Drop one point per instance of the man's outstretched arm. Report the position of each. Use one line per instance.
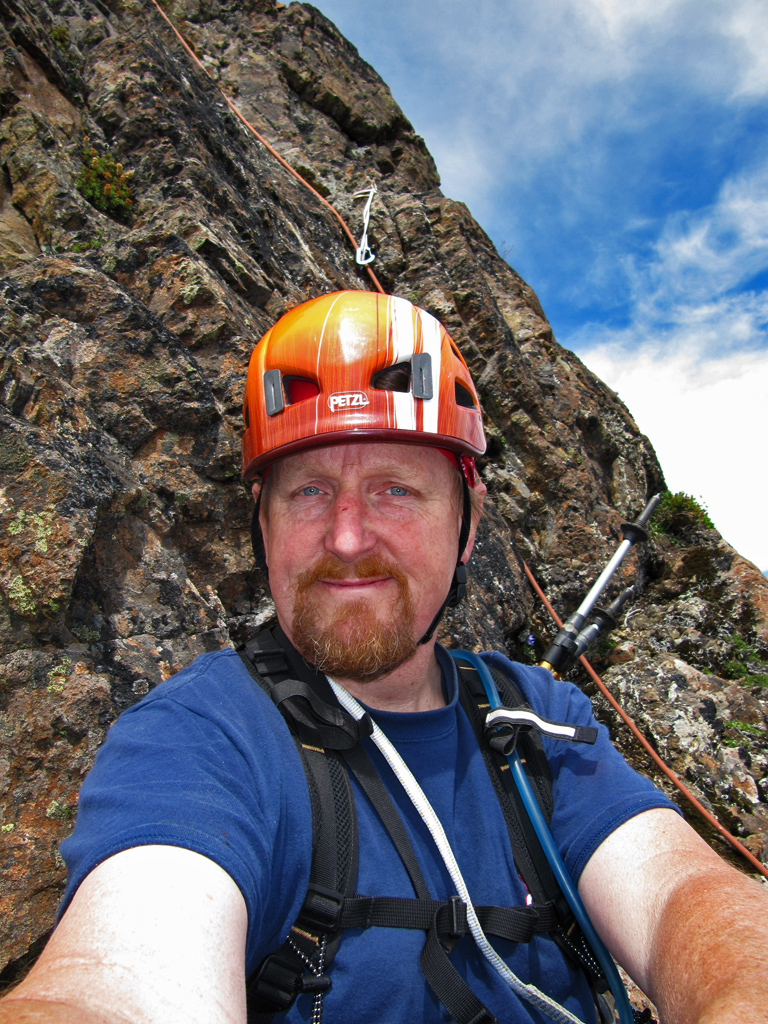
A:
(155, 934)
(689, 929)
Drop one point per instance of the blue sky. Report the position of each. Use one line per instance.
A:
(616, 151)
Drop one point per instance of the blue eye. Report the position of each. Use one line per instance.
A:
(311, 491)
(398, 492)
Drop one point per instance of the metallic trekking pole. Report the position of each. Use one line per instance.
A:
(573, 638)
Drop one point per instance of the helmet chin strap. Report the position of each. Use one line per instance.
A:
(459, 581)
(257, 541)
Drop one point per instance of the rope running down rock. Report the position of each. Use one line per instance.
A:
(263, 141)
(673, 778)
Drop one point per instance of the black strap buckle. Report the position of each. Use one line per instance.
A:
(330, 727)
(280, 979)
(276, 984)
(321, 909)
(450, 923)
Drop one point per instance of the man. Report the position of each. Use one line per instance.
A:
(192, 851)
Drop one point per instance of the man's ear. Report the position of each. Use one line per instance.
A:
(256, 489)
(476, 504)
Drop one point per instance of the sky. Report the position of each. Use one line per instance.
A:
(616, 151)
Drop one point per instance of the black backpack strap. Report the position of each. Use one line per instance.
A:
(444, 921)
(529, 856)
(368, 779)
(302, 962)
(302, 695)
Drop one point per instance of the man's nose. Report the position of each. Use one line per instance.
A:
(349, 535)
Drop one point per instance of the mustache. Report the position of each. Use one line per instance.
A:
(330, 568)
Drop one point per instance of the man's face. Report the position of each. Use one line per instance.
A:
(361, 543)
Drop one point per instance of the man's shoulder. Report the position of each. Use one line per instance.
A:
(209, 679)
(206, 670)
(214, 692)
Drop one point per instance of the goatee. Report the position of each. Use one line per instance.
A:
(354, 644)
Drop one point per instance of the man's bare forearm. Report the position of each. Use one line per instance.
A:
(691, 930)
(710, 961)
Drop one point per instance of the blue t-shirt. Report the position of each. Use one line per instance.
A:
(206, 762)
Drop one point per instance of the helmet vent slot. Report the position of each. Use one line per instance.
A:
(299, 389)
(464, 396)
(393, 378)
(273, 392)
(415, 375)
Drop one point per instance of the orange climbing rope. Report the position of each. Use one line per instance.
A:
(673, 778)
(264, 142)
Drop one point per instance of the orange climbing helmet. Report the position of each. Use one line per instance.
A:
(357, 366)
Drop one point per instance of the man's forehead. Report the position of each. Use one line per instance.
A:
(348, 459)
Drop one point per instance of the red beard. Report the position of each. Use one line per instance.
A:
(354, 644)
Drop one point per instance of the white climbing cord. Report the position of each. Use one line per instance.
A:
(544, 1003)
(364, 256)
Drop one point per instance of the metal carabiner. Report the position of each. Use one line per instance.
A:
(363, 255)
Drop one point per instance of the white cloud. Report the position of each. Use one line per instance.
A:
(687, 296)
(534, 80)
(708, 424)
(746, 23)
(530, 110)
(722, 246)
(692, 364)
(621, 15)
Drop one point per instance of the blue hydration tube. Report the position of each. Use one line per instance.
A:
(626, 1016)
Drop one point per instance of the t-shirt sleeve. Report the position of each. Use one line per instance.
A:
(205, 763)
(594, 789)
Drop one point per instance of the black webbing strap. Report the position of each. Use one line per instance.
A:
(368, 779)
(529, 855)
(301, 963)
(449, 986)
(445, 922)
(448, 917)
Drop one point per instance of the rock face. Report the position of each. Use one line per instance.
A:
(125, 331)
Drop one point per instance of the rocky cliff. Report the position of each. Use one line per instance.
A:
(147, 241)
